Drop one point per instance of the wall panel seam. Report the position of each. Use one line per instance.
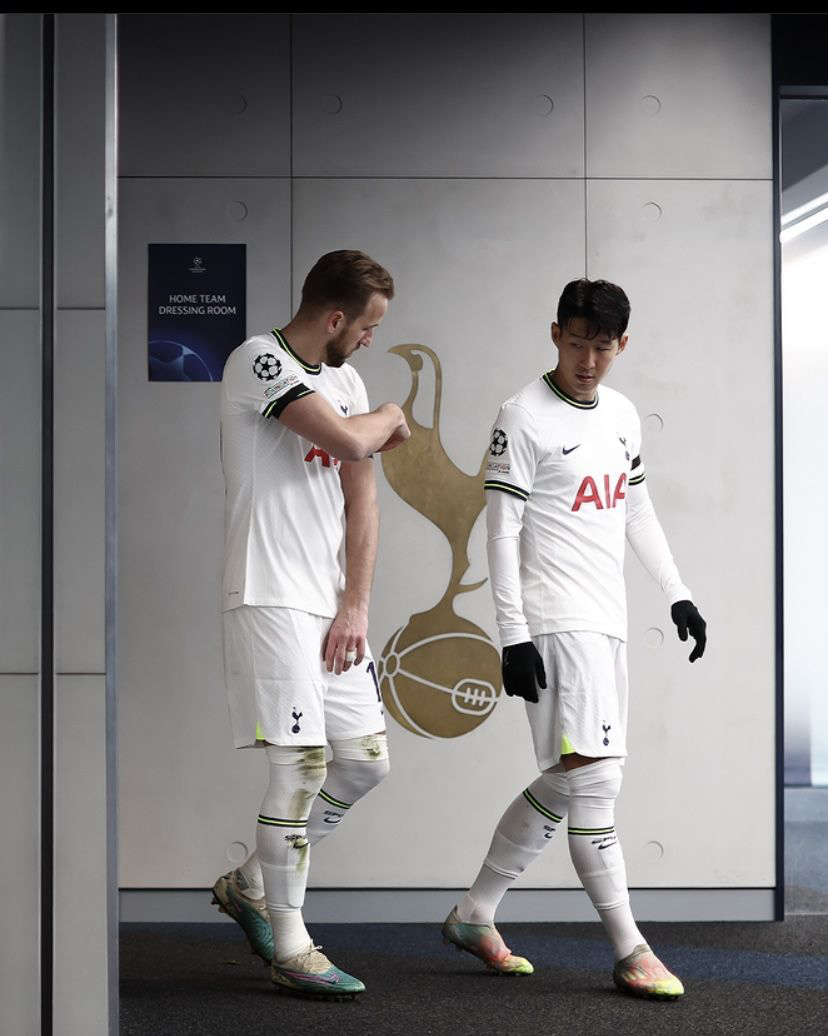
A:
(447, 176)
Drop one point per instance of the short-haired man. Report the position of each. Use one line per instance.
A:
(297, 441)
(564, 488)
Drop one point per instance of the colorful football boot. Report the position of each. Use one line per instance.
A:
(643, 974)
(311, 974)
(486, 943)
(251, 914)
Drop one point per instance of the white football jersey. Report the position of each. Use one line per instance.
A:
(573, 476)
(284, 507)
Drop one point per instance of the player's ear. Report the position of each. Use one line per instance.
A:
(556, 332)
(622, 343)
(336, 321)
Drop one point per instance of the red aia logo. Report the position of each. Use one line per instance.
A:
(324, 456)
(588, 493)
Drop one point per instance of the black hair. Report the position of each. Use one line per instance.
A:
(603, 305)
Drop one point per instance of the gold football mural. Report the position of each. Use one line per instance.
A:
(439, 674)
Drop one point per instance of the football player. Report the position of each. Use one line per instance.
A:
(565, 489)
(297, 439)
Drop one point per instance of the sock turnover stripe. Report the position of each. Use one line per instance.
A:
(530, 798)
(334, 802)
(592, 830)
(281, 822)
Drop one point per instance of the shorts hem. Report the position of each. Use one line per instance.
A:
(546, 763)
(358, 732)
(297, 743)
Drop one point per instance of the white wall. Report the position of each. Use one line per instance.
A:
(651, 167)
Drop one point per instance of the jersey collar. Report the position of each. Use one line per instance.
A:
(567, 398)
(311, 368)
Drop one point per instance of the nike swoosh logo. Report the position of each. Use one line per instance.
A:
(564, 450)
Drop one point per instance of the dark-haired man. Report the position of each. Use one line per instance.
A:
(564, 488)
(297, 441)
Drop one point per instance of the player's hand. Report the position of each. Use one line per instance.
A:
(400, 434)
(687, 619)
(346, 636)
(523, 671)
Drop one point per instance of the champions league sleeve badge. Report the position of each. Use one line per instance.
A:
(267, 367)
(500, 443)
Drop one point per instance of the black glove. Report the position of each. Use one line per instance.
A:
(686, 617)
(522, 666)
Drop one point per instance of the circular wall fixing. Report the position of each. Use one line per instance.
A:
(237, 211)
(653, 851)
(542, 104)
(237, 853)
(652, 212)
(239, 105)
(653, 423)
(650, 106)
(653, 637)
(331, 104)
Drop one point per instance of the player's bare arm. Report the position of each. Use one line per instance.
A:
(347, 438)
(350, 625)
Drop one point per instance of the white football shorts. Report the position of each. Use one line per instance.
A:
(278, 688)
(584, 706)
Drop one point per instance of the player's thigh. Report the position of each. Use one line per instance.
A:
(353, 702)
(592, 692)
(273, 658)
(582, 710)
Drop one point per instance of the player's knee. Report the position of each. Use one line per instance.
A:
(360, 764)
(556, 782)
(303, 767)
(599, 780)
(371, 748)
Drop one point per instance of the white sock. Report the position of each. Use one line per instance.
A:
(596, 852)
(524, 831)
(357, 766)
(296, 775)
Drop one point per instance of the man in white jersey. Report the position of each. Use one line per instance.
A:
(564, 489)
(297, 440)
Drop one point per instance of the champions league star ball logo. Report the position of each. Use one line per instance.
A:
(173, 361)
(267, 367)
(439, 674)
(499, 443)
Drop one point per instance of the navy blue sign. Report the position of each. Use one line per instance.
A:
(197, 310)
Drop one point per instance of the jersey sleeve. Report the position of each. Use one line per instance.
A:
(504, 519)
(510, 475)
(261, 376)
(637, 474)
(645, 534)
(513, 455)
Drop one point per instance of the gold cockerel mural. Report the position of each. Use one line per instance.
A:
(439, 674)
